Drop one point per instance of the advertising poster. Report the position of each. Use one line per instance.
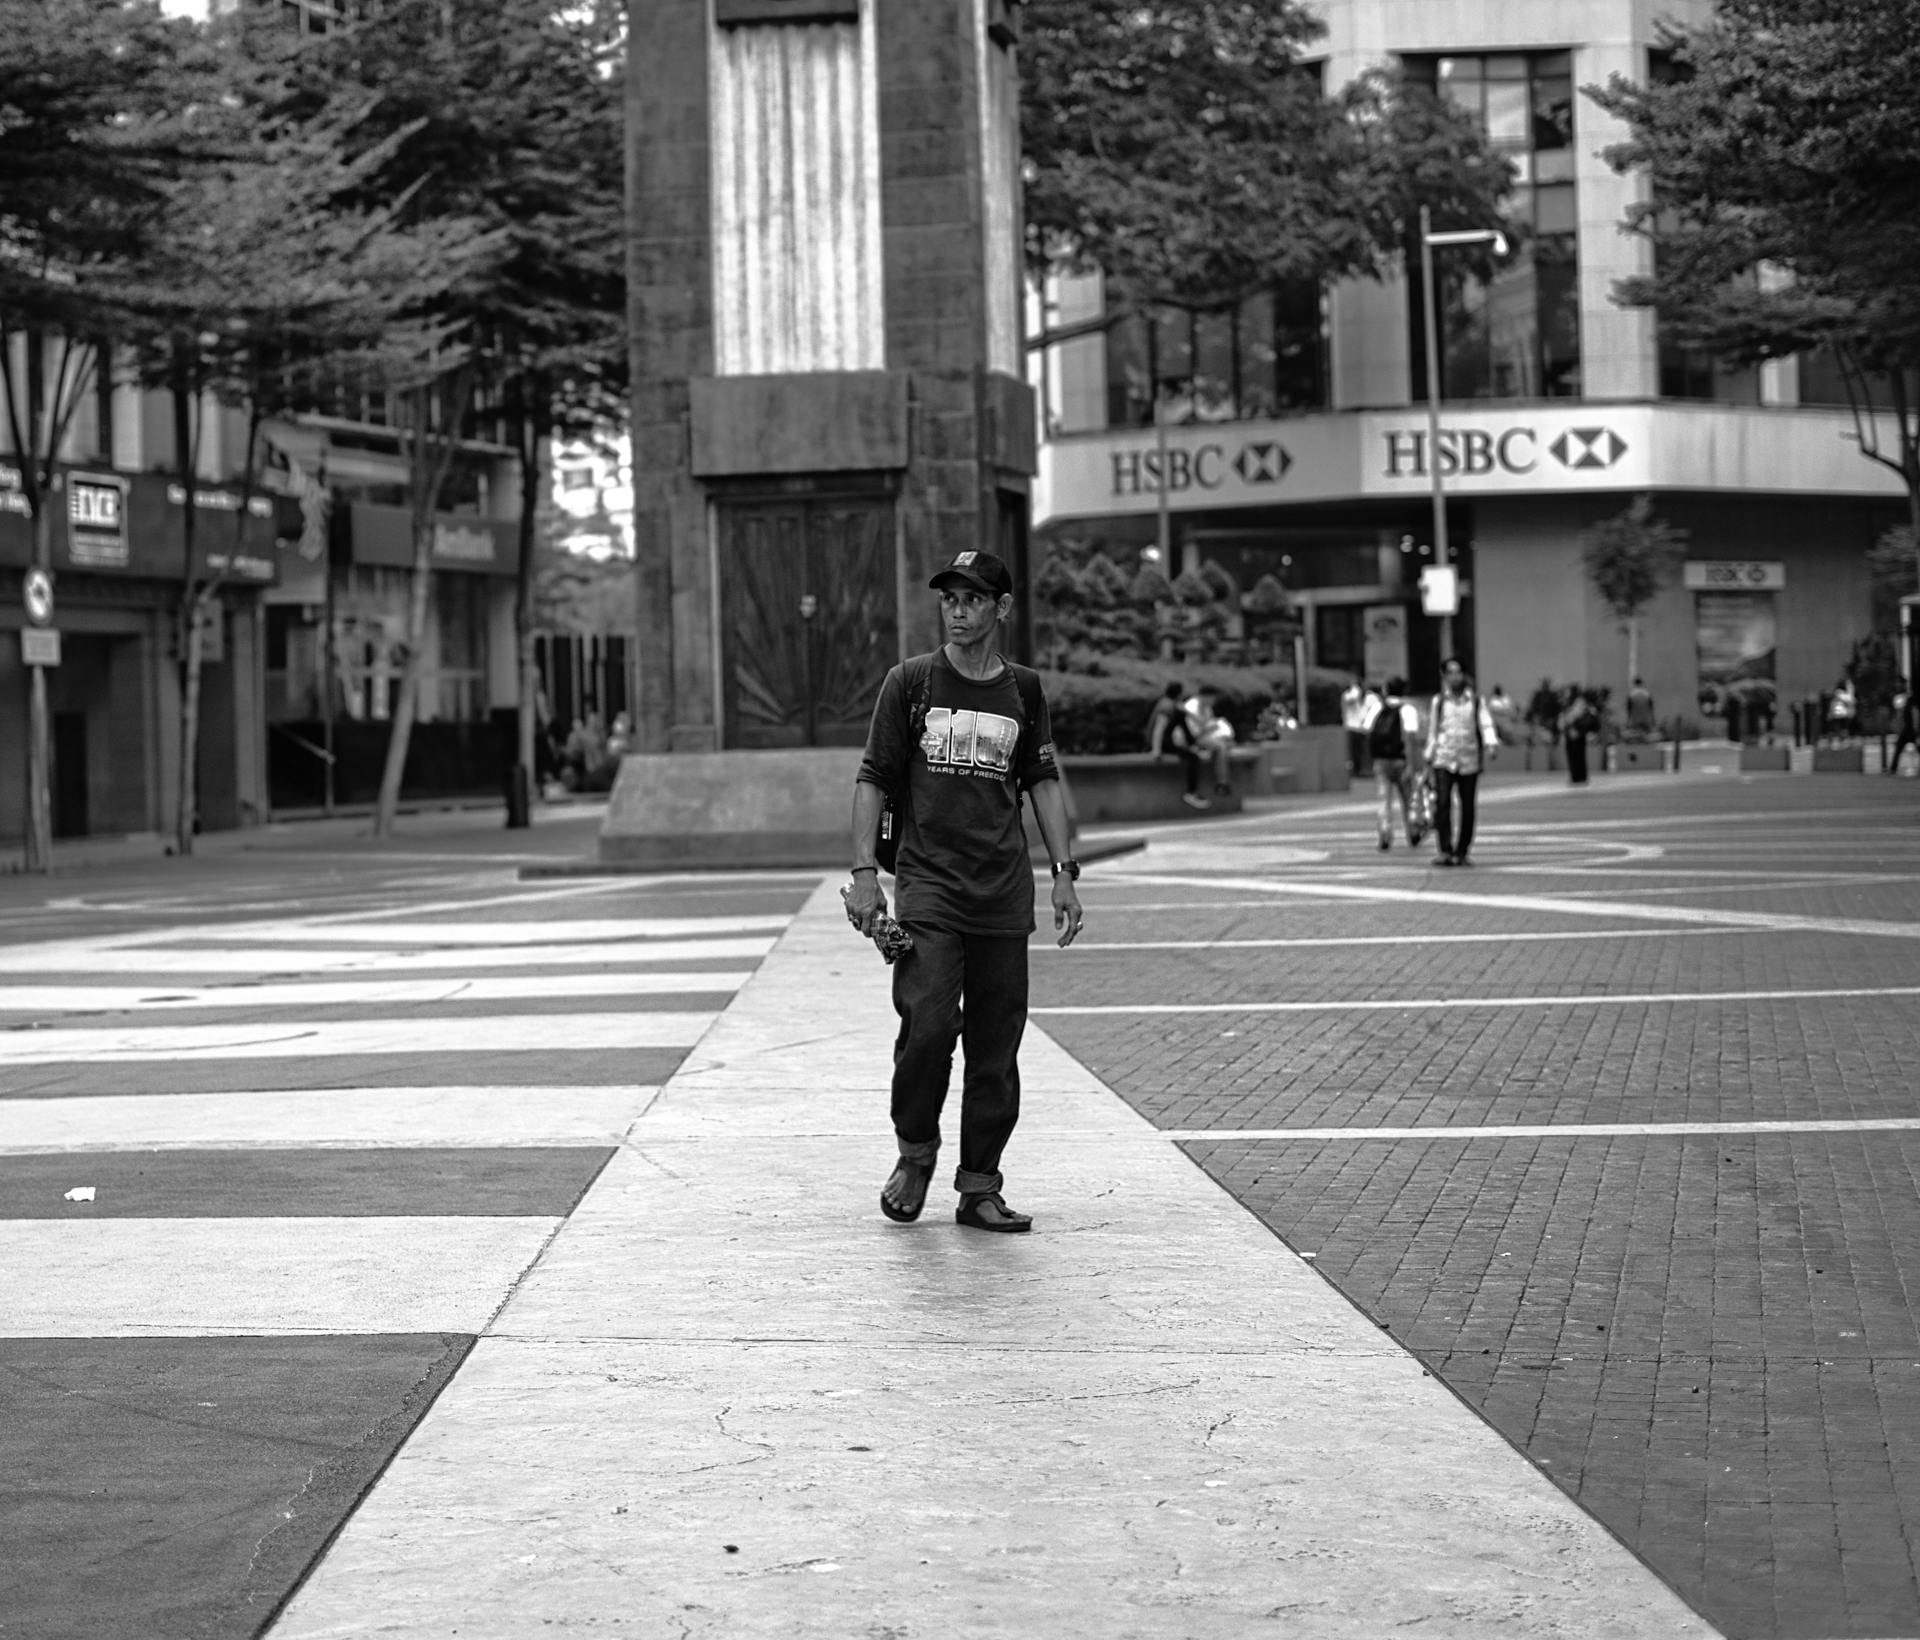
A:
(1734, 636)
(1385, 642)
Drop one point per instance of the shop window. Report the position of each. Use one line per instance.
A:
(1339, 637)
(1516, 335)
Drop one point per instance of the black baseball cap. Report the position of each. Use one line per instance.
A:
(981, 571)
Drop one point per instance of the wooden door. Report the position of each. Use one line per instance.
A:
(808, 620)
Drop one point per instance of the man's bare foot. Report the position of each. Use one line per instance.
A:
(905, 1192)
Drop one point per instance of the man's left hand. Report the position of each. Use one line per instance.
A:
(1067, 915)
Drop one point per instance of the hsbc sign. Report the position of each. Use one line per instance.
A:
(1252, 463)
(1515, 450)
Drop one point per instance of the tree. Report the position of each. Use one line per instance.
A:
(1187, 149)
(85, 148)
(260, 278)
(511, 115)
(1783, 201)
(1628, 559)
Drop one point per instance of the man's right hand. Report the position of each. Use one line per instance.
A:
(866, 901)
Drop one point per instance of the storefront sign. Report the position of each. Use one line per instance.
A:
(1516, 450)
(384, 535)
(462, 544)
(13, 493)
(40, 645)
(97, 521)
(1254, 462)
(1734, 575)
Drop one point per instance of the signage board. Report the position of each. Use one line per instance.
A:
(97, 520)
(36, 596)
(732, 13)
(1440, 590)
(1734, 575)
(40, 645)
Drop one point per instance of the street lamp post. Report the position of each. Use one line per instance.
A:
(1428, 307)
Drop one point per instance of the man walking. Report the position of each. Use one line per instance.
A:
(956, 737)
(1460, 742)
(1391, 738)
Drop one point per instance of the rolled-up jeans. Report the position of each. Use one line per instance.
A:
(969, 989)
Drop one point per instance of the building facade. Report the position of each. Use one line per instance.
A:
(1296, 440)
(119, 568)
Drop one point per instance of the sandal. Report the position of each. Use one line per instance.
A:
(990, 1212)
(907, 1188)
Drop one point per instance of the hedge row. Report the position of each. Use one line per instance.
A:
(1101, 703)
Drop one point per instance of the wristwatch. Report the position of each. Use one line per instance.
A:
(1070, 867)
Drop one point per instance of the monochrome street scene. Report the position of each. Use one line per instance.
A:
(911, 818)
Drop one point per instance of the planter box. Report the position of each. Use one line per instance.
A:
(1639, 757)
(1838, 760)
(1765, 759)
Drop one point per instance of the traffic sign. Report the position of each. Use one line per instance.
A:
(40, 645)
(36, 592)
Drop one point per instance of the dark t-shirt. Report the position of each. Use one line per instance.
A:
(963, 857)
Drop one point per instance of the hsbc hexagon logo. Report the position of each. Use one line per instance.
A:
(1588, 449)
(1262, 462)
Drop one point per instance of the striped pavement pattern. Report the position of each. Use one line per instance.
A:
(261, 1186)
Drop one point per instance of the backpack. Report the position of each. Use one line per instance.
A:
(1387, 735)
(916, 673)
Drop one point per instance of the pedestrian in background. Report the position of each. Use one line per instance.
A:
(1579, 720)
(1212, 739)
(1906, 726)
(956, 737)
(1640, 711)
(1392, 742)
(1843, 711)
(1460, 744)
(1170, 734)
(1355, 711)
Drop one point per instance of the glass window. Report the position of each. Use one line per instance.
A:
(1300, 348)
(1552, 113)
(1516, 335)
(1129, 384)
(1213, 355)
(1173, 362)
(1254, 356)
(1553, 210)
(1509, 119)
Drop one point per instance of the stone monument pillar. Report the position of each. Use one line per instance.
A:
(829, 397)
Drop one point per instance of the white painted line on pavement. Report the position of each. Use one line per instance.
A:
(502, 932)
(1376, 1004)
(324, 1118)
(373, 993)
(153, 959)
(1386, 939)
(1561, 1130)
(1783, 923)
(294, 1039)
(128, 1278)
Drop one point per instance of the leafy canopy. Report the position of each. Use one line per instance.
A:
(1783, 157)
(1190, 150)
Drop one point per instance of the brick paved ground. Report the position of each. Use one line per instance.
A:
(1708, 1339)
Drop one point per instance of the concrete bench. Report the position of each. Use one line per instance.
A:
(1140, 786)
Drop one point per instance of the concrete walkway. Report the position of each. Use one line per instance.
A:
(730, 1399)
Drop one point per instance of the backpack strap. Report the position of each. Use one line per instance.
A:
(1027, 681)
(916, 677)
